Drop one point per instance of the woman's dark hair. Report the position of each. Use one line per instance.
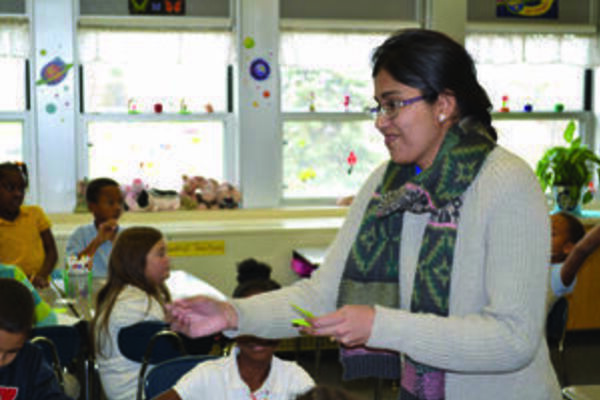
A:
(434, 63)
(19, 167)
(126, 266)
(16, 307)
(253, 277)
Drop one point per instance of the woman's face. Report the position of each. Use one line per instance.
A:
(157, 264)
(416, 132)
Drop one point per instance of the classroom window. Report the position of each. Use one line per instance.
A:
(126, 69)
(537, 69)
(330, 142)
(328, 158)
(159, 153)
(530, 139)
(11, 137)
(14, 49)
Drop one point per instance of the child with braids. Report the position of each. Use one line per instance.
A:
(25, 236)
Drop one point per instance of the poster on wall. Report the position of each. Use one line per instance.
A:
(546, 9)
(156, 7)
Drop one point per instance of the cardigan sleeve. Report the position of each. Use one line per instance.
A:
(268, 315)
(505, 331)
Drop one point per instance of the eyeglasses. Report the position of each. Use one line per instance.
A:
(390, 109)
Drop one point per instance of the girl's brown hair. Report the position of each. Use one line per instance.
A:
(126, 267)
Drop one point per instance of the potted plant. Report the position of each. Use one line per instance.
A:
(568, 171)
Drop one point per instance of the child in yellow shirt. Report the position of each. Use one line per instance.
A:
(25, 236)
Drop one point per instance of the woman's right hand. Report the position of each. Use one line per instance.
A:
(201, 316)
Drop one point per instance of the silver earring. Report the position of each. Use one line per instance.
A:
(442, 117)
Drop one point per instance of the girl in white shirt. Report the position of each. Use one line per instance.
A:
(250, 372)
(135, 291)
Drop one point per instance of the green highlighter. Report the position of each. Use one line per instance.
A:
(305, 314)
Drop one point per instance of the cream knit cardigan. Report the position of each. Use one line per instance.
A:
(492, 344)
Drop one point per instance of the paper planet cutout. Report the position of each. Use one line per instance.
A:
(249, 42)
(266, 94)
(255, 104)
(260, 69)
(54, 72)
(50, 108)
(43, 52)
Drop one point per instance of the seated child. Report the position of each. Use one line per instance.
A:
(135, 291)
(24, 374)
(95, 240)
(250, 371)
(44, 315)
(567, 231)
(25, 236)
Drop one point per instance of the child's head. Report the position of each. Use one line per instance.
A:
(13, 182)
(104, 199)
(16, 318)
(254, 278)
(567, 230)
(139, 258)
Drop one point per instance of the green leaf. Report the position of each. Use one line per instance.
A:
(587, 197)
(569, 131)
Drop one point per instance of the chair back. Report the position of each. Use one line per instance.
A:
(65, 338)
(166, 374)
(556, 322)
(149, 342)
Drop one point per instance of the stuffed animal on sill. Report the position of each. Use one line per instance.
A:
(228, 197)
(162, 200)
(199, 193)
(135, 196)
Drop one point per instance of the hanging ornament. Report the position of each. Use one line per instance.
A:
(351, 161)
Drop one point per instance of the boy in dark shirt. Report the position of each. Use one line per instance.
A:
(24, 374)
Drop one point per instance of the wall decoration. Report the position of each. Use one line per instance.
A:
(51, 108)
(307, 174)
(54, 72)
(351, 161)
(43, 52)
(504, 107)
(157, 7)
(260, 69)
(249, 42)
(266, 94)
(547, 9)
(255, 104)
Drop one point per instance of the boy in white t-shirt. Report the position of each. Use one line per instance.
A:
(251, 371)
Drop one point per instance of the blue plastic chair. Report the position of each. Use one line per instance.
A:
(166, 374)
(61, 346)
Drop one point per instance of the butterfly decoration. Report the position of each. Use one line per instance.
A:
(156, 6)
(351, 161)
(138, 6)
(174, 6)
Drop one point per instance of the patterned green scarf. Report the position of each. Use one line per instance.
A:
(371, 272)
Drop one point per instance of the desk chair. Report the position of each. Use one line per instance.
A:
(61, 346)
(556, 324)
(149, 342)
(166, 374)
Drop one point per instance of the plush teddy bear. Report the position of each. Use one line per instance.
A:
(228, 197)
(135, 196)
(189, 193)
(162, 200)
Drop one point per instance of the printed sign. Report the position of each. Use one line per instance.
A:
(183, 248)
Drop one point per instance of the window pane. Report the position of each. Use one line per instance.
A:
(157, 152)
(321, 69)
(145, 68)
(12, 82)
(530, 139)
(11, 137)
(541, 70)
(316, 157)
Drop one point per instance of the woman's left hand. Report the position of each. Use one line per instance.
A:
(350, 325)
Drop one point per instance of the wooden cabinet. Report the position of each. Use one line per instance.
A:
(584, 302)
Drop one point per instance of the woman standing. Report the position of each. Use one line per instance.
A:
(438, 275)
